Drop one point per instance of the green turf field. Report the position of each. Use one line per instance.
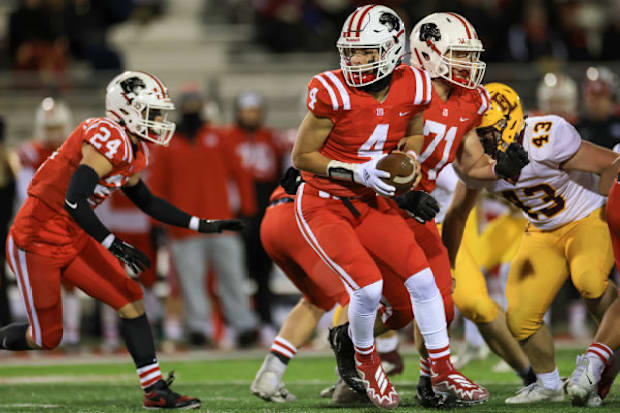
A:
(223, 386)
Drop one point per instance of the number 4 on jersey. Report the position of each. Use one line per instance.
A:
(374, 144)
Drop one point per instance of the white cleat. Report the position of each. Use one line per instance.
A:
(268, 384)
(582, 385)
(536, 393)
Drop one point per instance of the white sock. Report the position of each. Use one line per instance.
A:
(550, 380)
(363, 306)
(387, 344)
(599, 355)
(428, 309)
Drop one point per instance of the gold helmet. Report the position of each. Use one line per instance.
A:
(502, 123)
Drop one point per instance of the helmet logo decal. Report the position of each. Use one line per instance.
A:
(390, 21)
(430, 31)
(132, 85)
(503, 103)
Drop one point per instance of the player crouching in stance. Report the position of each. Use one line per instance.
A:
(56, 233)
(560, 196)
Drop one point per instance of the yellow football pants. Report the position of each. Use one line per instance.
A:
(497, 244)
(543, 263)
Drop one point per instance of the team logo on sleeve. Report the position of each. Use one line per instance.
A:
(390, 21)
(430, 31)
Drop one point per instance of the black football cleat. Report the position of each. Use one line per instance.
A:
(161, 397)
(342, 345)
(426, 397)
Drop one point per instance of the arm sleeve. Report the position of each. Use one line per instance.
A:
(81, 187)
(156, 207)
(564, 141)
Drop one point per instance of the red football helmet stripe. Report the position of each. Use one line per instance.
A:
(348, 33)
(462, 20)
(361, 19)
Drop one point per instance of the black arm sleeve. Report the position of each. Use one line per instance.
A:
(156, 207)
(81, 187)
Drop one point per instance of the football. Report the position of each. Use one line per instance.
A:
(403, 168)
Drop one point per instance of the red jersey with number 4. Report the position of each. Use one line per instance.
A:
(363, 126)
(43, 219)
(445, 124)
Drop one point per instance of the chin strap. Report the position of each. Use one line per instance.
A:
(377, 86)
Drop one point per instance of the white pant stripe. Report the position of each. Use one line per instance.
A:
(311, 239)
(35, 318)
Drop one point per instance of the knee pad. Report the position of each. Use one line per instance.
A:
(479, 309)
(366, 299)
(51, 338)
(520, 327)
(422, 286)
(590, 285)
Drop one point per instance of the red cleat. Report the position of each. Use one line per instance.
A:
(161, 397)
(447, 381)
(378, 387)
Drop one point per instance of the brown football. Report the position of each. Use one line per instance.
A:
(403, 168)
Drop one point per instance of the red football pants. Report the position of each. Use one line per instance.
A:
(353, 245)
(93, 270)
(286, 247)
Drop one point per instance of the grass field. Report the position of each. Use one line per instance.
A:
(109, 385)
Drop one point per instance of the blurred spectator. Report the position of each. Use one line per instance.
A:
(574, 35)
(280, 24)
(7, 194)
(600, 123)
(261, 159)
(194, 171)
(88, 22)
(557, 94)
(36, 41)
(533, 37)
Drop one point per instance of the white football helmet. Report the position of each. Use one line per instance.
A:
(433, 41)
(140, 102)
(52, 121)
(371, 27)
(557, 93)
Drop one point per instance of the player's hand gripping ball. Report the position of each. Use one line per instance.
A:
(404, 170)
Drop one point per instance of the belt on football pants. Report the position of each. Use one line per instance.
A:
(284, 200)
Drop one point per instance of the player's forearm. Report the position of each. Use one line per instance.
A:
(81, 187)
(157, 208)
(608, 177)
(313, 162)
(482, 170)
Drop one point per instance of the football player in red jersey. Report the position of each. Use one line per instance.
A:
(352, 122)
(446, 45)
(57, 234)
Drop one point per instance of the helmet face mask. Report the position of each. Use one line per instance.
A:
(438, 42)
(491, 137)
(376, 28)
(140, 102)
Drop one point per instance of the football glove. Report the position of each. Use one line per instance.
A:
(510, 163)
(419, 205)
(368, 175)
(291, 180)
(135, 259)
(209, 226)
